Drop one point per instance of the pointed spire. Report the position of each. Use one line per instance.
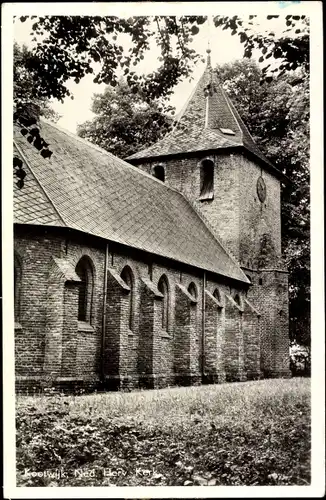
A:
(209, 87)
(208, 121)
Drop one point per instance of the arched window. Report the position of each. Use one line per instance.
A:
(192, 289)
(163, 287)
(128, 278)
(217, 295)
(237, 299)
(159, 172)
(84, 271)
(206, 179)
(17, 286)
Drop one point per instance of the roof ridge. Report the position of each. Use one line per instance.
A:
(184, 107)
(226, 98)
(38, 182)
(239, 119)
(235, 112)
(254, 144)
(111, 155)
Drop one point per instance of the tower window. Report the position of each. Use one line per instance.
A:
(85, 297)
(163, 287)
(159, 172)
(207, 180)
(128, 278)
(260, 281)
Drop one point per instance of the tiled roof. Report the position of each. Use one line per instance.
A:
(86, 188)
(199, 125)
(31, 204)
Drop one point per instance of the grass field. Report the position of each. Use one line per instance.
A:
(254, 433)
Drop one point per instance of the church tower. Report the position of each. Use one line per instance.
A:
(211, 158)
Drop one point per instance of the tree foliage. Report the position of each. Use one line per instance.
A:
(277, 114)
(28, 107)
(74, 46)
(25, 84)
(124, 122)
(71, 47)
(291, 49)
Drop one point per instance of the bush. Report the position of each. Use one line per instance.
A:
(300, 360)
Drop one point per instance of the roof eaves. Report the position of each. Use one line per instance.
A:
(185, 153)
(244, 147)
(200, 268)
(268, 165)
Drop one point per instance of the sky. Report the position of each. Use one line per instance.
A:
(224, 48)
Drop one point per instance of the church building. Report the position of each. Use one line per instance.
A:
(165, 269)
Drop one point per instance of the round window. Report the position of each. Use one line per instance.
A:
(261, 189)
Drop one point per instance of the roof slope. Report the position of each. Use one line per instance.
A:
(198, 128)
(86, 188)
(31, 204)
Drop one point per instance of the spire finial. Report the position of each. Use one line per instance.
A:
(208, 50)
(208, 56)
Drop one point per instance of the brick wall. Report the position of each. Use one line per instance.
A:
(260, 223)
(214, 339)
(53, 347)
(235, 213)
(234, 342)
(50, 344)
(251, 231)
(223, 211)
(269, 295)
(251, 340)
(111, 358)
(35, 258)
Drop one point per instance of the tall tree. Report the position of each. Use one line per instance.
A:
(125, 122)
(290, 49)
(29, 105)
(25, 84)
(277, 114)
